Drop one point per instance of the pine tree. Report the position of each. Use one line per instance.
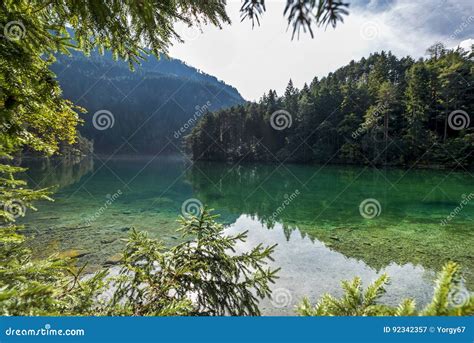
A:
(450, 298)
(396, 110)
(290, 98)
(199, 277)
(418, 102)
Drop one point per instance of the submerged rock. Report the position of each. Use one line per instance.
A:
(108, 241)
(73, 253)
(113, 260)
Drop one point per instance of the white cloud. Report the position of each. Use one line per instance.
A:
(466, 44)
(256, 60)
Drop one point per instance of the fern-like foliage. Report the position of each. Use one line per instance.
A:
(355, 302)
(202, 276)
(300, 14)
(450, 298)
(51, 286)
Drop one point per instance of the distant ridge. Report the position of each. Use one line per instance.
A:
(149, 105)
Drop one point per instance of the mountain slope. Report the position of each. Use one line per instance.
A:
(380, 110)
(151, 108)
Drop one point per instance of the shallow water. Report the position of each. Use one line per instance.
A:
(312, 212)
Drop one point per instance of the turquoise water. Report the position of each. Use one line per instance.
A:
(316, 214)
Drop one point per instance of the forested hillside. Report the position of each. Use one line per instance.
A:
(147, 106)
(380, 110)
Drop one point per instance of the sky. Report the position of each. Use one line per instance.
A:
(256, 60)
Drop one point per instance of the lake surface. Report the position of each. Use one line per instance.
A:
(315, 213)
